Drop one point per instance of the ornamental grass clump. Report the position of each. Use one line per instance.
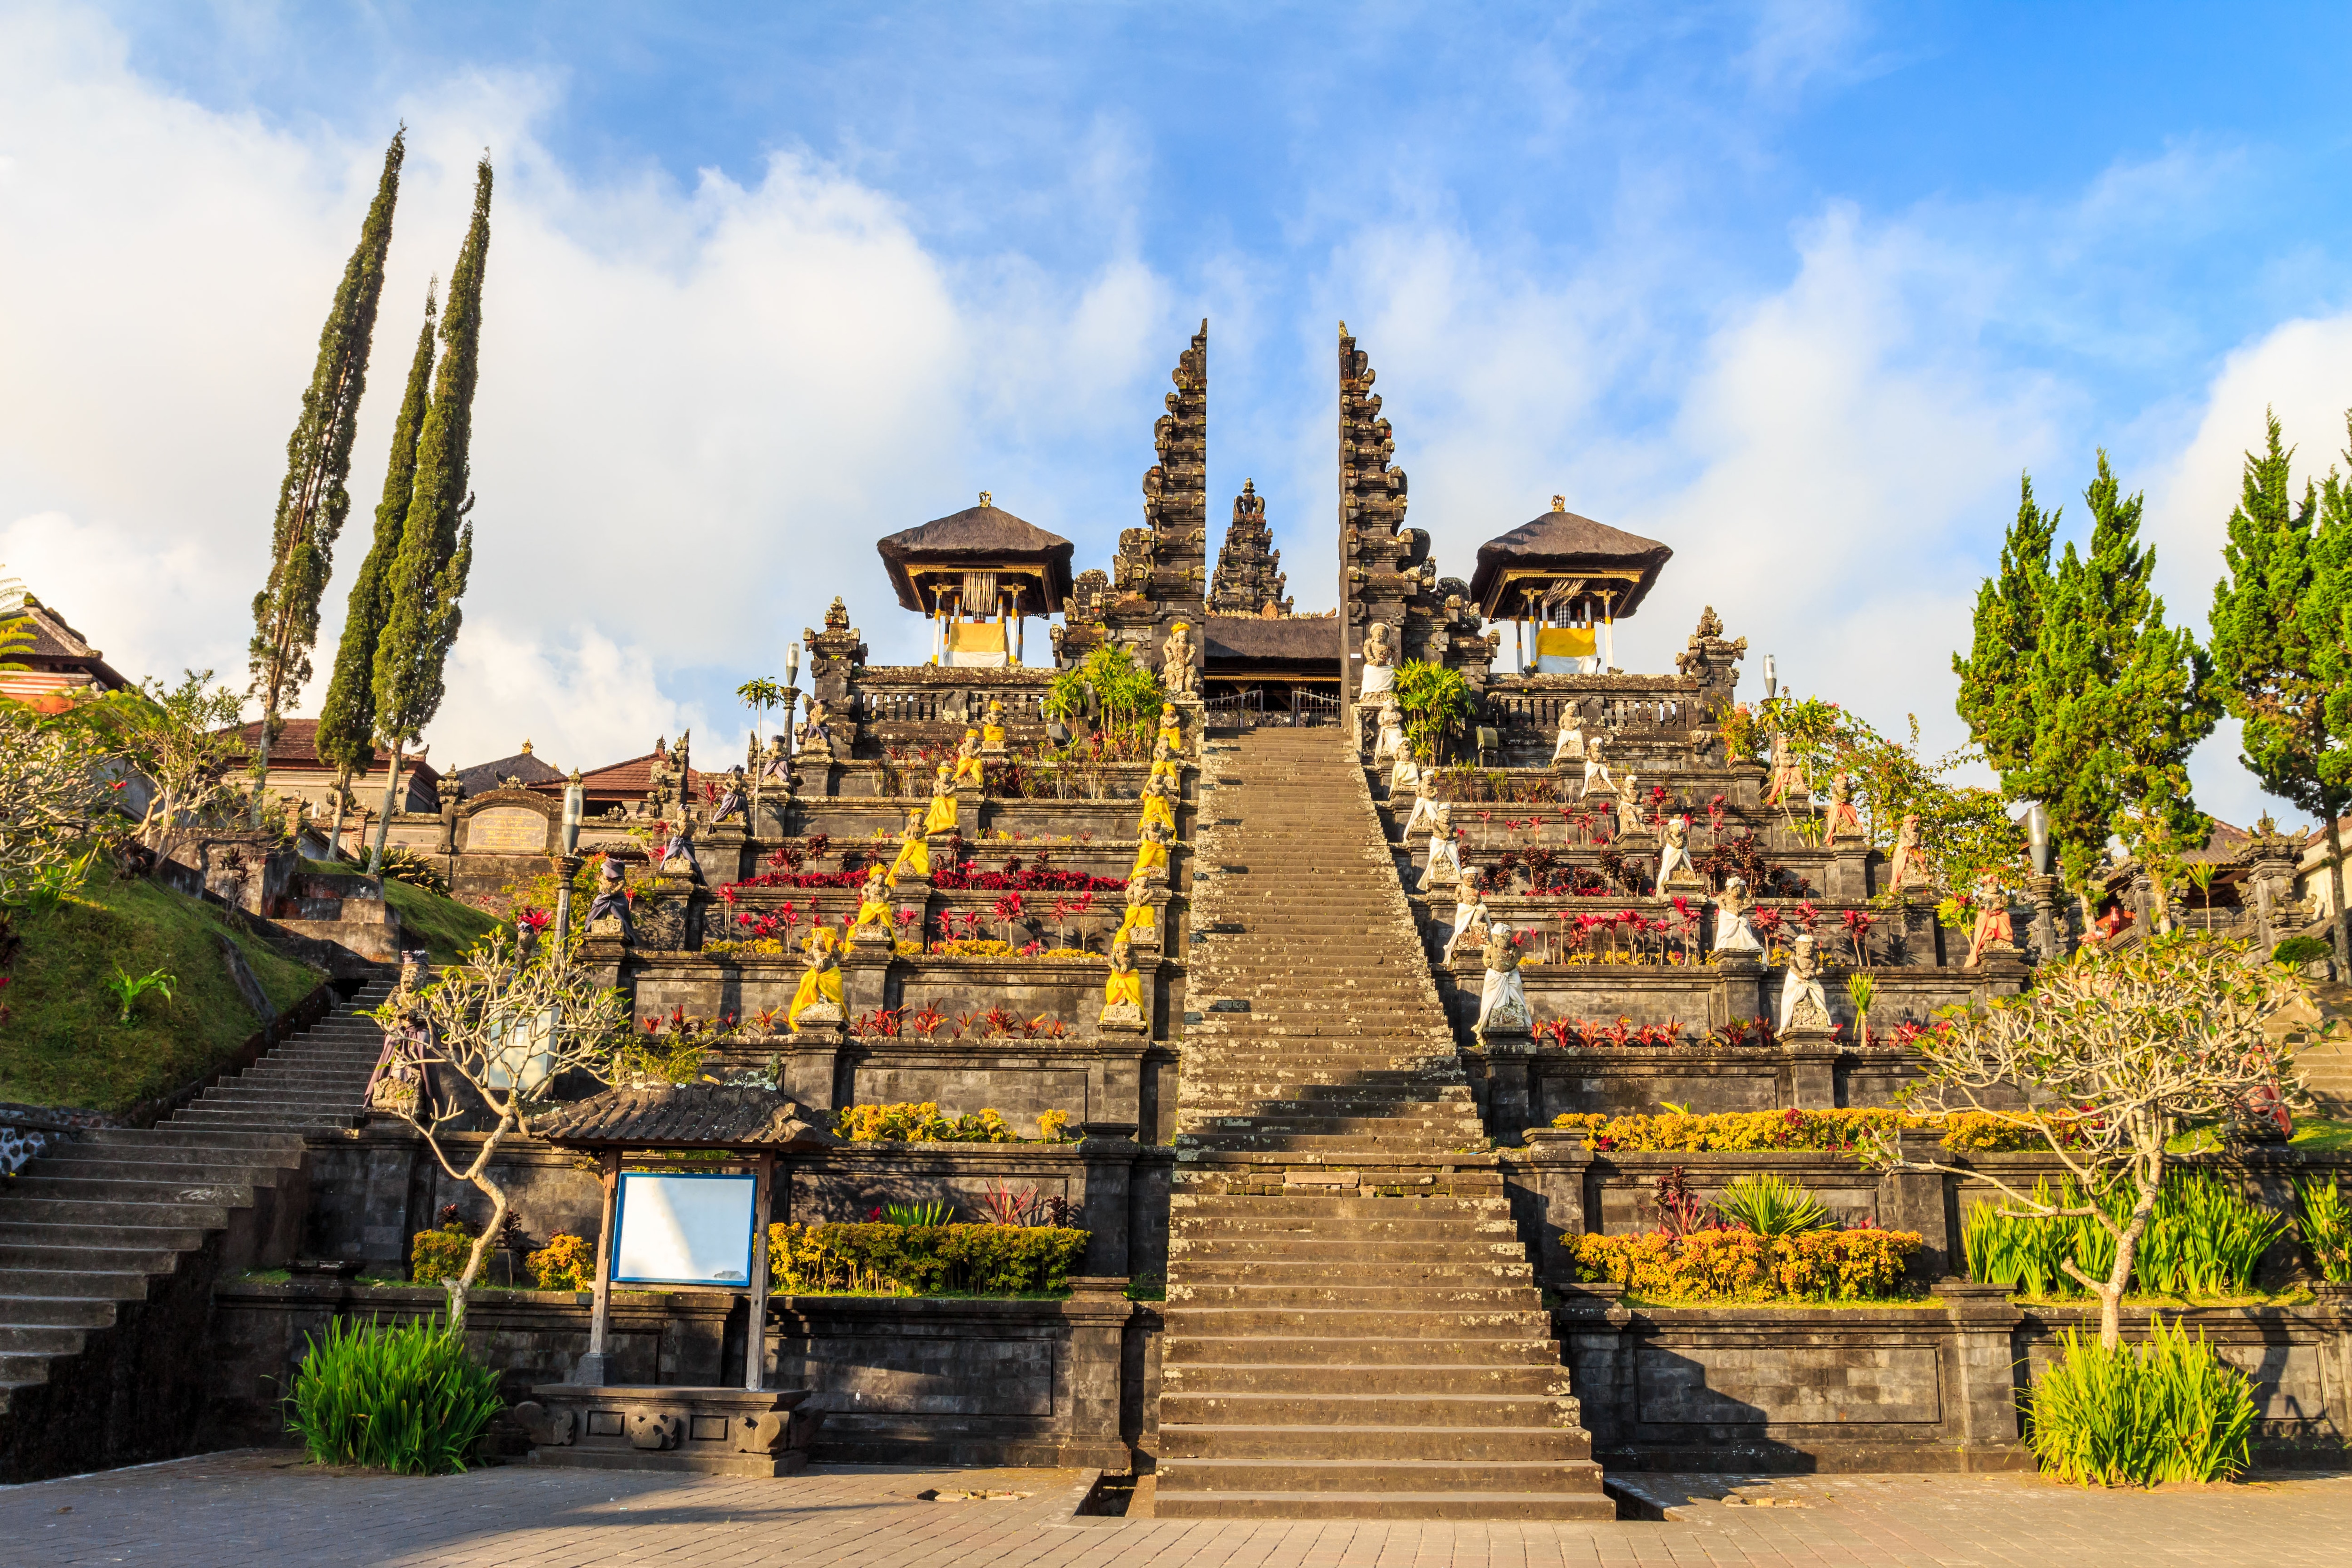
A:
(2326, 1228)
(2202, 1239)
(2165, 1410)
(1771, 1206)
(406, 1398)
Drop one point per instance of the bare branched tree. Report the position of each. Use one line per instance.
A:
(54, 796)
(2114, 1054)
(478, 1051)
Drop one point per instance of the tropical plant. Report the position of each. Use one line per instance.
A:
(1109, 679)
(2139, 1043)
(402, 864)
(2201, 1238)
(126, 988)
(2326, 1228)
(54, 797)
(1437, 704)
(937, 1211)
(1770, 1205)
(1862, 990)
(567, 1262)
(311, 501)
(406, 1398)
(2167, 1409)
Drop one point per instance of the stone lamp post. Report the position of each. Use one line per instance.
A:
(2041, 885)
(567, 858)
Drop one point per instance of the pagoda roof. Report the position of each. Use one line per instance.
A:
(1297, 638)
(1563, 545)
(686, 1116)
(979, 538)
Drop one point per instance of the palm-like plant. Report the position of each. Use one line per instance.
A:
(1437, 705)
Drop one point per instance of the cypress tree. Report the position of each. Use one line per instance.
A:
(1996, 680)
(2278, 653)
(436, 542)
(347, 717)
(2122, 699)
(313, 500)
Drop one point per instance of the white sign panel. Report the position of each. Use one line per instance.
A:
(684, 1230)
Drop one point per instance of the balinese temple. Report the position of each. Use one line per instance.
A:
(1563, 582)
(1259, 654)
(979, 575)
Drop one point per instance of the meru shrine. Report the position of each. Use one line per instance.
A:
(1296, 964)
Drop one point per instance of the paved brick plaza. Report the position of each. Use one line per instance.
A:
(256, 1509)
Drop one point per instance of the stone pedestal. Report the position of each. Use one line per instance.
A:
(700, 1431)
(1916, 1200)
(1510, 1082)
(1108, 1149)
(2047, 946)
(1983, 1377)
(815, 1058)
(1743, 985)
(866, 973)
(1813, 1055)
(1559, 1162)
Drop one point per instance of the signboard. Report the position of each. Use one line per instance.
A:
(684, 1229)
(527, 1058)
(507, 830)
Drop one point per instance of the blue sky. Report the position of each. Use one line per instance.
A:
(1799, 288)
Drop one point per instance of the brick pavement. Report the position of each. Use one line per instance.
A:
(261, 1509)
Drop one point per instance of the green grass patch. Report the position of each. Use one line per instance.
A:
(2313, 1135)
(443, 927)
(63, 1044)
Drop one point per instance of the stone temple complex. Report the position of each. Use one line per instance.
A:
(1282, 1011)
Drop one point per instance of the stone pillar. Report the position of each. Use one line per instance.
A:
(1810, 1082)
(1114, 1087)
(1558, 1160)
(1108, 1149)
(1982, 1372)
(1848, 872)
(814, 1060)
(1920, 1201)
(865, 975)
(1740, 978)
(1510, 1083)
(2047, 946)
(1097, 1314)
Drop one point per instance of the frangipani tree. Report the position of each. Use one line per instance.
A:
(54, 793)
(484, 1043)
(2114, 1053)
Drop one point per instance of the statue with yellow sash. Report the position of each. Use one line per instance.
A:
(1123, 990)
(873, 907)
(967, 763)
(819, 996)
(914, 851)
(941, 817)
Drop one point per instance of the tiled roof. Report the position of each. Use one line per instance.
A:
(687, 1116)
(297, 747)
(483, 777)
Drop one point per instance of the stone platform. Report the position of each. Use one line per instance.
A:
(652, 1426)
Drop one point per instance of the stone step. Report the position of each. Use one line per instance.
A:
(1286, 1210)
(1388, 1504)
(1403, 1298)
(41, 1340)
(167, 1137)
(1406, 1273)
(61, 1256)
(92, 1166)
(1417, 1440)
(81, 1284)
(1406, 1475)
(56, 1211)
(1344, 1322)
(1211, 1252)
(134, 1237)
(55, 1312)
(1285, 1386)
(74, 1191)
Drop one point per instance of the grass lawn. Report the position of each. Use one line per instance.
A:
(443, 927)
(2313, 1135)
(62, 1044)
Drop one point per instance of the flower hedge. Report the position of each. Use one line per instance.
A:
(920, 1122)
(924, 1259)
(1739, 1265)
(1826, 1131)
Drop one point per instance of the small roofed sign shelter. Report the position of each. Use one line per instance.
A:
(1567, 580)
(979, 574)
(699, 1229)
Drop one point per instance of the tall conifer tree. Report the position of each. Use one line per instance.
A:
(313, 500)
(436, 542)
(2278, 651)
(1996, 680)
(347, 717)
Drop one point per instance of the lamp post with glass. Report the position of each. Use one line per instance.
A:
(2041, 885)
(567, 860)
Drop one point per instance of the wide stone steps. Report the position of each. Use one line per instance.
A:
(1330, 1356)
(107, 1218)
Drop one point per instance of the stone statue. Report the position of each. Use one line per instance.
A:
(1176, 671)
(967, 760)
(1172, 729)
(1140, 923)
(1404, 772)
(873, 907)
(731, 798)
(1503, 1000)
(659, 772)
(1674, 851)
(1629, 809)
(1596, 766)
(942, 816)
(679, 846)
(1470, 917)
(1906, 852)
(1425, 807)
(1443, 867)
(1123, 989)
(1164, 764)
(1390, 740)
(914, 851)
(1160, 796)
(1842, 814)
(991, 726)
(612, 901)
(1379, 659)
(815, 736)
(1733, 931)
(1993, 923)
(1787, 775)
(1151, 853)
(1803, 1004)
(818, 998)
(775, 763)
(1569, 747)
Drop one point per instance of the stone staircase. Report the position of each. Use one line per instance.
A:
(1353, 1328)
(109, 1245)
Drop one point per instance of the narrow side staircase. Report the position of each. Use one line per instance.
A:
(1353, 1327)
(109, 1245)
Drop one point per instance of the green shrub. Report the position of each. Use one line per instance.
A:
(408, 865)
(438, 1255)
(1863, 1264)
(924, 1260)
(566, 1263)
(2298, 951)
(2167, 1410)
(1770, 1206)
(2203, 1239)
(2326, 1228)
(407, 1399)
